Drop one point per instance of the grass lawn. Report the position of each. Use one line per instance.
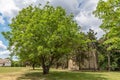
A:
(10, 69)
(29, 74)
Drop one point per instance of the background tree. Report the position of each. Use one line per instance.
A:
(45, 34)
(108, 59)
(79, 53)
(109, 12)
(86, 51)
(104, 55)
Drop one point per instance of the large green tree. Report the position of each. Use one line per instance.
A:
(44, 34)
(109, 12)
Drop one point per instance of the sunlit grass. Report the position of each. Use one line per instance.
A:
(10, 69)
(69, 75)
(29, 74)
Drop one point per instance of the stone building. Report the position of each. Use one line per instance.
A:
(5, 62)
(89, 63)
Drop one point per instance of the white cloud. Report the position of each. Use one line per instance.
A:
(3, 50)
(2, 46)
(2, 20)
(71, 6)
(82, 9)
(8, 8)
(4, 56)
(86, 19)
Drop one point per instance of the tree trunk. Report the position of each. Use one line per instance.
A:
(46, 67)
(57, 65)
(46, 70)
(33, 66)
(109, 67)
(67, 62)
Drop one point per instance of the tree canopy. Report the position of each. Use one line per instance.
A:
(43, 34)
(109, 12)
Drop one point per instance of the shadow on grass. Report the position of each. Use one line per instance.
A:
(56, 75)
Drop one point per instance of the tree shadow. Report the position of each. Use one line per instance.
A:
(56, 75)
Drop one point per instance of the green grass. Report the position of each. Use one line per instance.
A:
(68, 75)
(29, 74)
(10, 69)
(62, 76)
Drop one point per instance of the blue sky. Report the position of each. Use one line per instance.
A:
(82, 10)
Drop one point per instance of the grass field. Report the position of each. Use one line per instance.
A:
(8, 73)
(10, 69)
